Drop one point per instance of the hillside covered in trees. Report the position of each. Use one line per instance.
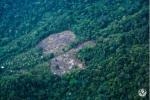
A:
(115, 69)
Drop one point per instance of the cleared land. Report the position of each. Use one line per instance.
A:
(63, 62)
(57, 43)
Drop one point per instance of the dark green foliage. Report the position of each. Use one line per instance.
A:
(116, 68)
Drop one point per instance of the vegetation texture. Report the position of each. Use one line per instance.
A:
(116, 68)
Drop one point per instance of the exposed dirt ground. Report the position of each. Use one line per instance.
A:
(57, 43)
(63, 62)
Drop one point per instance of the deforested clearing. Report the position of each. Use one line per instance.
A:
(57, 43)
(64, 60)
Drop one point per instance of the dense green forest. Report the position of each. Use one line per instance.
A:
(116, 68)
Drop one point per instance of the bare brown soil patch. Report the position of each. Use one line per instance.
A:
(63, 62)
(57, 43)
